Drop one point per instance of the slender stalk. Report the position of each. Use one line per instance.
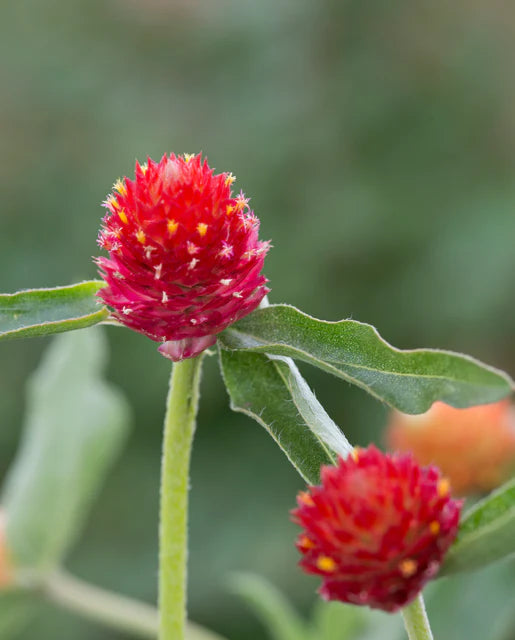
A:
(173, 529)
(416, 621)
(112, 610)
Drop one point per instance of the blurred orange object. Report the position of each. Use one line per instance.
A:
(474, 448)
(6, 568)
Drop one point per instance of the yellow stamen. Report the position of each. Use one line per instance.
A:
(119, 186)
(172, 226)
(140, 236)
(325, 563)
(144, 168)
(229, 209)
(202, 229)
(229, 179)
(444, 486)
(407, 567)
(123, 216)
(111, 201)
(189, 156)
(354, 454)
(434, 527)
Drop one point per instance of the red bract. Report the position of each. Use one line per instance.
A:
(184, 256)
(376, 529)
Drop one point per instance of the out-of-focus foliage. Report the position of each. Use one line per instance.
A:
(458, 609)
(377, 141)
(74, 429)
(329, 621)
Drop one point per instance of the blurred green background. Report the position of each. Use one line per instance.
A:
(377, 142)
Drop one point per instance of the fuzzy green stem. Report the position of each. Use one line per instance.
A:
(416, 621)
(110, 609)
(173, 530)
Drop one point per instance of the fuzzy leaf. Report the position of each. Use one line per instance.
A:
(486, 533)
(409, 380)
(40, 312)
(74, 427)
(272, 391)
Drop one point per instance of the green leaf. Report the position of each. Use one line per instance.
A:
(486, 533)
(40, 312)
(74, 428)
(409, 380)
(272, 391)
(271, 607)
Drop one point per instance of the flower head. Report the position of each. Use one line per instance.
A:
(184, 256)
(376, 529)
(474, 448)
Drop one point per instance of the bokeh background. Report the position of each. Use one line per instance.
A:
(377, 141)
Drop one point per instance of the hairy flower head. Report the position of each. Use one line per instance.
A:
(474, 447)
(376, 529)
(184, 255)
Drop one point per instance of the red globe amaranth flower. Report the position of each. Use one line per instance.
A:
(184, 256)
(474, 448)
(376, 529)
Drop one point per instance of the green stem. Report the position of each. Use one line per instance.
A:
(173, 530)
(416, 621)
(112, 610)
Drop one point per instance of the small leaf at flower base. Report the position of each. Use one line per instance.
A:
(486, 533)
(409, 380)
(40, 312)
(74, 428)
(271, 606)
(272, 391)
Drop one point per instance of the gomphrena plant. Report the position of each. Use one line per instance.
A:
(184, 256)
(376, 529)
(184, 268)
